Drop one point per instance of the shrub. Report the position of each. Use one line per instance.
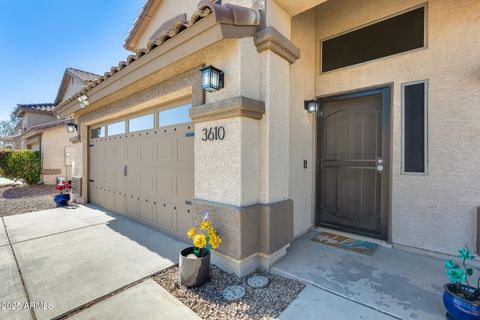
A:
(22, 164)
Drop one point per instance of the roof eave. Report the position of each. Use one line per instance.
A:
(39, 129)
(201, 35)
(141, 22)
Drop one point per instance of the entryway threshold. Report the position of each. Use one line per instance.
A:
(381, 243)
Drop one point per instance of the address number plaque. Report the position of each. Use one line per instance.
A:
(213, 133)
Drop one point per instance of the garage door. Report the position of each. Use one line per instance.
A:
(142, 167)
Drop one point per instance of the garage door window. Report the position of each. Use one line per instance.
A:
(145, 122)
(98, 132)
(116, 128)
(174, 116)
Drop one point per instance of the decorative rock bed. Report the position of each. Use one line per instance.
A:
(208, 302)
(25, 198)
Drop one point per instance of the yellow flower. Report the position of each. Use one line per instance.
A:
(205, 225)
(199, 241)
(191, 233)
(215, 241)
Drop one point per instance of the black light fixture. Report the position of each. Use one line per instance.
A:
(312, 106)
(71, 126)
(212, 79)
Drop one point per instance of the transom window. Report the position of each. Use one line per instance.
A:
(168, 117)
(98, 132)
(141, 123)
(174, 116)
(116, 128)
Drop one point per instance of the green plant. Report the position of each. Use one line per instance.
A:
(23, 164)
(459, 275)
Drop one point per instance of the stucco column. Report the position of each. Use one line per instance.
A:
(241, 174)
(274, 128)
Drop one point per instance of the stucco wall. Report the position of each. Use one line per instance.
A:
(34, 146)
(302, 139)
(77, 160)
(54, 142)
(73, 86)
(436, 211)
(31, 119)
(226, 171)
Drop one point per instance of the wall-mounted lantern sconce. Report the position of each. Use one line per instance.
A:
(71, 127)
(212, 79)
(83, 101)
(312, 106)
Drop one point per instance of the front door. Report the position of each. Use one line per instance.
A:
(352, 187)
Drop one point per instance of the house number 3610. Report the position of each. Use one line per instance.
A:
(213, 133)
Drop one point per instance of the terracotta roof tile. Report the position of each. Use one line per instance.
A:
(226, 14)
(47, 107)
(83, 75)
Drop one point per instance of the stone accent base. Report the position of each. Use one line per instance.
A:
(253, 236)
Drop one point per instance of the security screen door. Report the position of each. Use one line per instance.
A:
(352, 184)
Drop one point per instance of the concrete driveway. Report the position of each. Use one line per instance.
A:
(68, 258)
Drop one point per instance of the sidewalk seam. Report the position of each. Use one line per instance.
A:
(93, 302)
(65, 231)
(25, 291)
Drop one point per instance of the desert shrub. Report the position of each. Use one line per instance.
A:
(23, 164)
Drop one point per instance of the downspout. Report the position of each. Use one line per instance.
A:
(41, 160)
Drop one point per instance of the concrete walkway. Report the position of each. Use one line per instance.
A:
(314, 303)
(71, 257)
(392, 284)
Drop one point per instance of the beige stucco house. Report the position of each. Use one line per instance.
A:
(359, 116)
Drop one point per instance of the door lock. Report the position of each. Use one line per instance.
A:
(125, 170)
(380, 165)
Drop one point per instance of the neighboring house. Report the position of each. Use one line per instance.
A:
(73, 81)
(41, 130)
(389, 149)
(32, 115)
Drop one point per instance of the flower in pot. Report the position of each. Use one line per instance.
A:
(461, 300)
(195, 261)
(61, 199)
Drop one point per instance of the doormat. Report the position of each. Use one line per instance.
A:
(337, 241)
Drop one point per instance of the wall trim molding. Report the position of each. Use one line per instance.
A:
(271, 39)
(238, 106)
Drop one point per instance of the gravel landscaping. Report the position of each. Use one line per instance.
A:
(24, 198)
(208, 303)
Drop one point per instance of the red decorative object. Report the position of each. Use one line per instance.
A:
(64, 186)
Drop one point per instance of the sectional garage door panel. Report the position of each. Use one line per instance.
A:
(147, 175)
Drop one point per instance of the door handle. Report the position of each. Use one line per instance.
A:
(380, 165)
(125, 170)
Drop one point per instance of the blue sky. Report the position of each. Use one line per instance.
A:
(40, 38)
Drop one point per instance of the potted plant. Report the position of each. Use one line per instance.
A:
(461, 300)
(61, 199)
(195, 261)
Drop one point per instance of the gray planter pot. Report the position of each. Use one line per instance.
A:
(193, 272)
